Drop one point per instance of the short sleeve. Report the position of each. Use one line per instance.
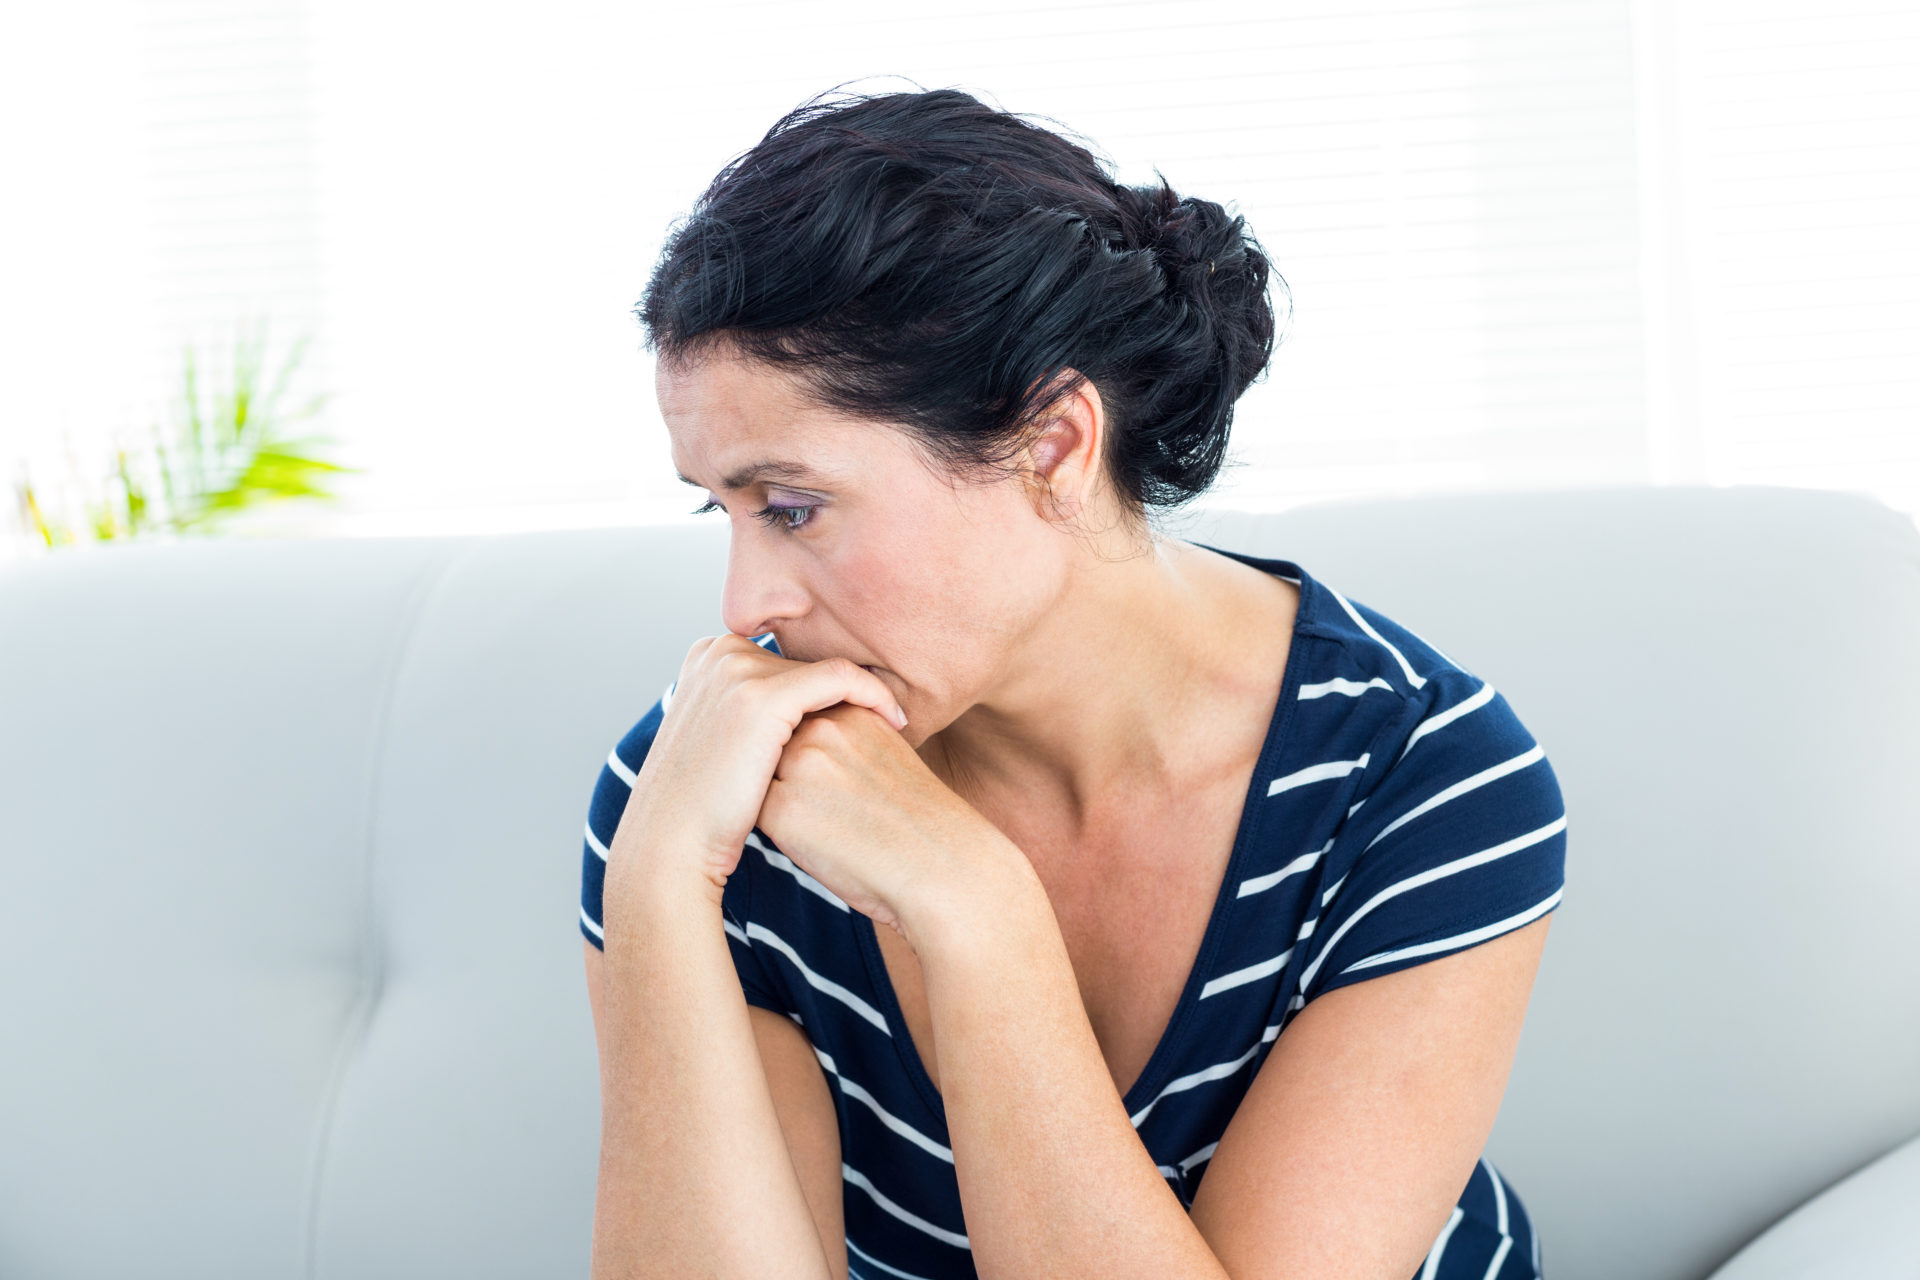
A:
(609, 802)
(1461, 837)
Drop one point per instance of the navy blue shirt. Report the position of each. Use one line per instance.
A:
(1399, 812)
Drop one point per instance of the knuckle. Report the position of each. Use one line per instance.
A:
(746, 695)
(817, 733)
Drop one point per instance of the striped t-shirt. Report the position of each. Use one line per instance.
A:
(1399, 812)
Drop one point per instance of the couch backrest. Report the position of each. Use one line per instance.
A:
(290, 981)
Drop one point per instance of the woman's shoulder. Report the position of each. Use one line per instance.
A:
(1454, 830)
(1419, 728)
(1377, 662)
(622, 766)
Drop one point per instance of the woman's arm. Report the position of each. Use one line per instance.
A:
(695, 1174)
(1053, 1177)
(1343, 1161)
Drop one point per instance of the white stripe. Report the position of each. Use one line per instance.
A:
(1442, 719)
(1440, 1245)
(755, 930)
(1327, 897)
(775, 858)
(1317, 773)
(666, 697)
(1426, 877)
(872, 1261)
(1499, 1256)
(619, 767)
(1460, 788)
(1352, 688)
(1204, 1153)
(1499, 1197)
(588, 921)
(735, 931)
(1239, 977)
(1260, 884)
(593, 843)
(887, 1118)
(1413, 677)
(1218, 1071)
(1460, 939)
(1534, 1245)
(858, 1179)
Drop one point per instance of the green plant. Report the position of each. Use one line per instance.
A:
(228, 450)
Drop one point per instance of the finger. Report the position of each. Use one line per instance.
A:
(695, 652)
(812, 686)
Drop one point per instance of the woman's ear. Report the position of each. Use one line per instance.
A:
(1064, 454)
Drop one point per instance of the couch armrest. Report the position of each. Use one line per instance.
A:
(1864, 1227)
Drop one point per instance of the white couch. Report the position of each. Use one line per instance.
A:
(290, 979)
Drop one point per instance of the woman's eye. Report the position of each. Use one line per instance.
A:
(788, 518)
(782, 517)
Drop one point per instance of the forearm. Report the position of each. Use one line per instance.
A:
(1053, 1177)
(695, 1176)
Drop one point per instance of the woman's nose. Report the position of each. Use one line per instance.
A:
(760, 591)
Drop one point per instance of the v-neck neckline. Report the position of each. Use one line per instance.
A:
(1160, 1063)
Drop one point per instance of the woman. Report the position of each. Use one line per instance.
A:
(1212, 898)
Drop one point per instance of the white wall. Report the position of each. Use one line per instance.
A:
(1529, 243)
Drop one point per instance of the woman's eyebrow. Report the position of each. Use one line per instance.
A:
(768, 469)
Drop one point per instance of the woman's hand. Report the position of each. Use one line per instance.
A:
(735, 706)
(855, 807)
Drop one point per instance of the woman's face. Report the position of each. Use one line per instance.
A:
(846, 542)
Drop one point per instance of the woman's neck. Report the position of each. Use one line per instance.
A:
(1149, 669)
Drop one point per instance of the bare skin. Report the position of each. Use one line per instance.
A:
(1085, 703)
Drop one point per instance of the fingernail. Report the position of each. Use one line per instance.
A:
(903, 718)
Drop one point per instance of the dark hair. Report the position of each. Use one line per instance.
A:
(927, 260)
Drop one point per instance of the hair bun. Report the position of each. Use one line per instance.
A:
(1215, 332)
(1189, 237)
